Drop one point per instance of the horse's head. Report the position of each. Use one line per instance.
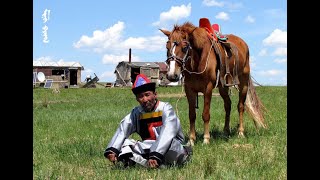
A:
(178, 51)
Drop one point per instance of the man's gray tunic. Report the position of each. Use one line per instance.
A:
(161, 134)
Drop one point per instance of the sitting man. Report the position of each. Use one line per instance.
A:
(158, 126)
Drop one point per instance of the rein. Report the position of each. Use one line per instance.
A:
(194, 72)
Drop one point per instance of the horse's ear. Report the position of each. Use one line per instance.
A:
(166, 32)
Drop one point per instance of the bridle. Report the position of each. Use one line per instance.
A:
(174, 57)
(186, 57)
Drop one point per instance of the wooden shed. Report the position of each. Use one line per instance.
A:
(163, 69)
(67, 72)
(126, 72)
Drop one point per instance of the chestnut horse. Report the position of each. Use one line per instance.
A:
(191, 52)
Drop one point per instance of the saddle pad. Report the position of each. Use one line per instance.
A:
(217, 32)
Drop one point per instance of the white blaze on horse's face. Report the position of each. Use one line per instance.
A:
(171, 68)
(174, 71)
(172, 64)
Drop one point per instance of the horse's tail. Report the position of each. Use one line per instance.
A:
(254, 106)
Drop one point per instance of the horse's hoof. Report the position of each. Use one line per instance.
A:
(206, 141)
(190, 143)
(240, 135)
(227, 132)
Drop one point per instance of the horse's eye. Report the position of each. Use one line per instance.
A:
(185, 46)
(185, 49)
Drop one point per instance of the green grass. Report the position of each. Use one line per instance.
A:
(71, 130)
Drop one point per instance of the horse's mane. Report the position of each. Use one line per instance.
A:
(184, 27)
(183, 31)
(197, 36)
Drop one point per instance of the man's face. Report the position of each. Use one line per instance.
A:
(147, 100)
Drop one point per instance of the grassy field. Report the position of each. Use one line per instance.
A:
(72, 128)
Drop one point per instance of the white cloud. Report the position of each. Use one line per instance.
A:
(158, 43)
(102, 39)
(222, 16)
(51, 59)
(61, 61)
(263, 52)
(249, 19)
(174, 14)
(212, 3)
(276, 38)
(137, 43)
(278, 41)
(44, 58)
(112, 41)
(230, 6)
(151, 44)
(280, 61)
(281, 51)
(115, 59)
(272, 72)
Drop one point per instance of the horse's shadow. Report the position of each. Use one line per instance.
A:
(216, 134)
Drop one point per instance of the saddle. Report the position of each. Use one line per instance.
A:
(220, 41)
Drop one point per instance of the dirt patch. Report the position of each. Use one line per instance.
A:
(244, 146)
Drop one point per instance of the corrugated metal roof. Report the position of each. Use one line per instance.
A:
(57, 64)
(143, 64)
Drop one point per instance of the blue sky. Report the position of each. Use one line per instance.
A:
(99, 33)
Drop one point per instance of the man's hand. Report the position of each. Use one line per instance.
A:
(153, 163)
(112, 157)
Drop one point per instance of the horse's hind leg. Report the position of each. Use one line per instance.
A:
(191, 96)
(243, 88)
(224, 92)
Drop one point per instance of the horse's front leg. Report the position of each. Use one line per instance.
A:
(191, 96)
(206, 114)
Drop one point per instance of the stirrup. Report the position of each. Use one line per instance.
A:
(226, 83)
